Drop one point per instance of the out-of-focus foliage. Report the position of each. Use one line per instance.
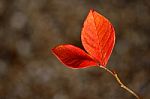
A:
(30, 28)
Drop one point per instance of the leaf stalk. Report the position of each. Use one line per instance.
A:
(115, 75)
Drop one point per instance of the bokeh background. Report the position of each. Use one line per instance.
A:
(30, 28)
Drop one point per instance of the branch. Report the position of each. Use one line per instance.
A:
(114, 74)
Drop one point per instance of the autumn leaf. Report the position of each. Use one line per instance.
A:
(73, 56)
(98, 39)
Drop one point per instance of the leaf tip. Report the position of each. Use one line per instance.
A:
(91, 10)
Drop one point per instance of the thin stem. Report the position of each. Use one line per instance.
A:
(114, 74)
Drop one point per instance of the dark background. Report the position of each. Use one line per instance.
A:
(30, 28)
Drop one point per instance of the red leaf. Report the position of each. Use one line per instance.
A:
(98, 37)
(73, 56)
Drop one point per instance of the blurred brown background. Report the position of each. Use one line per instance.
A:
(30, 28)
